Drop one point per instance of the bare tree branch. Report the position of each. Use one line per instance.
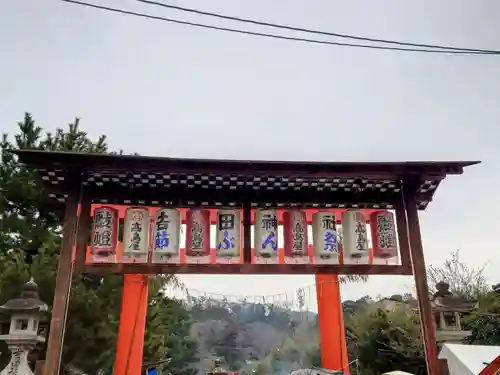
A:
(466, 282)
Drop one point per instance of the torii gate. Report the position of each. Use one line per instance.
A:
(77, 178)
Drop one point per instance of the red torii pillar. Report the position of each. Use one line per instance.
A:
(130, 342)
(331, 324)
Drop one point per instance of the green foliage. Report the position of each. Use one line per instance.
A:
(352, 307)
(29, 219)
(383, 338)
(377, 339)
(485, 321)
(171, 317)
(30, 237)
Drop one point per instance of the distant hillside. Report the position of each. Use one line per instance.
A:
(249, 334)
(246, 333)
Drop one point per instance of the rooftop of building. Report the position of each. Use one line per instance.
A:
(142, 180)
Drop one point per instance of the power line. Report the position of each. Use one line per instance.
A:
(273, 36)
(287, 27)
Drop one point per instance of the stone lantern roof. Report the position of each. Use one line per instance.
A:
(28, 300)
(445, 300)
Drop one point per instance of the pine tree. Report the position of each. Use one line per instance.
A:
(30, 226)
(181, 348)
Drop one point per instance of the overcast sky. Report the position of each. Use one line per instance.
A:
(168, 90)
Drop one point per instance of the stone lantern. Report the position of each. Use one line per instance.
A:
(447, 309)
(25, 313)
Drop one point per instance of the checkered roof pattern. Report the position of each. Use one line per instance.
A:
(236, 182)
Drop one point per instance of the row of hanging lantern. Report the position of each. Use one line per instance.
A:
(161, 236)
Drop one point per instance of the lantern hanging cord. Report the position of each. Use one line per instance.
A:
(282, 37)
(263, 297)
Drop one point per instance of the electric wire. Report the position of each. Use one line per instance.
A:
(273, 36)
(311, 31)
